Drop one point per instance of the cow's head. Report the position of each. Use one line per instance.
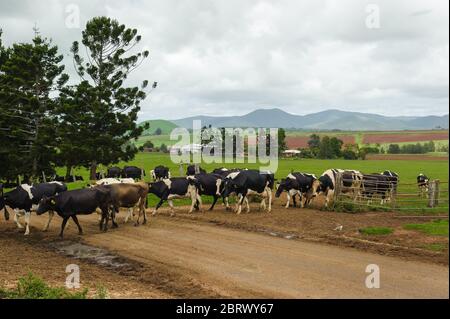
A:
(321, 188)
(314, 190)
(281, 187)
(228, 187)
(46, 204)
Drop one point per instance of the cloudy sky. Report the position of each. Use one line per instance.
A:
(217, 57)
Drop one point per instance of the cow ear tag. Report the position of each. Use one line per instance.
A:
(53, 202)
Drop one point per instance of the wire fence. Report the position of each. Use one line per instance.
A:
(362, 192)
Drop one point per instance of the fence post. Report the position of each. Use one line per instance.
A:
(337, 187)
(394, 196)
(437, 192)
(431, 194)
(44, 179)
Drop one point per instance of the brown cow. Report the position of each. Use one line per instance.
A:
(129, 196)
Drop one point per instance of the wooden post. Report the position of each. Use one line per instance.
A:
(394, 197)
(431, 194)
(44, 179)
(436, 192)
(337, 187)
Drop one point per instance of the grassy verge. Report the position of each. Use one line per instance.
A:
(376, 231)
(435, 228)
(33, 287)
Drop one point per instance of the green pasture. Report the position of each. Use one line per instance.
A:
(407, 169)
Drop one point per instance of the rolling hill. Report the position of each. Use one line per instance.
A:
(165, 126)
(326, 120)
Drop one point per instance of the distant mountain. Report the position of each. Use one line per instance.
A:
(326, 120)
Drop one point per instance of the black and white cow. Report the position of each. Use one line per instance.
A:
(351, 183)
(160, 173)
(179, 187)
(423, 183)
(78, 202)
(210, 185)
(250, 182)
(394, 179)
(133, 172)
(113, 172)
(192, 170)
(302, 184)
(22, 199)
(228, 173)
(376, 184)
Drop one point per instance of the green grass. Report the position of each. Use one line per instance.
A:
(408, 169)
(435, 228)
(377, 231)
(33, 287)
(165, 126)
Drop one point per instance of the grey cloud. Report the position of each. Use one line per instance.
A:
(231, 57)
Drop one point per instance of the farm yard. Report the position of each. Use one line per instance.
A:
(125, 149)
(155, 260)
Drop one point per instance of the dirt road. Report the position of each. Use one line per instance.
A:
(232, 263)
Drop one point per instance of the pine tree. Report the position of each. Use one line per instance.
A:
(101, 108)
(30, 72)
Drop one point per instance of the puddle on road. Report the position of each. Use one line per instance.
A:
(85, 252)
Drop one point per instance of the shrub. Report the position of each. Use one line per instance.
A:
(33, 287)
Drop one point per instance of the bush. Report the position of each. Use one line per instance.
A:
(349, 155)
(148, 144)
(32, 287)
(164, 148)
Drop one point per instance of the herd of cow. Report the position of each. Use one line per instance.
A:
(119, 189)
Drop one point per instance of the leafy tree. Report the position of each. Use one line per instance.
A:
(30, 72)
(314, 144)
(164, 148)
(314, 141)
(349, 154)
(158, 131)
(330, 147)
(148, 144)
(393, 149)
(282, 146)
(102, 109)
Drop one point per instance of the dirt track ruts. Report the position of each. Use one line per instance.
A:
(234, 263)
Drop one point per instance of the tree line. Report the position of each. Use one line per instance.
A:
(327, 147)
(45, 122)
(417, 148)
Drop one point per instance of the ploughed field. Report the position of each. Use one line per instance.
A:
(299, 139)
